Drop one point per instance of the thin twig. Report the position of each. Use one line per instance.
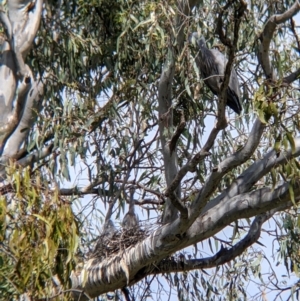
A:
(178, 132)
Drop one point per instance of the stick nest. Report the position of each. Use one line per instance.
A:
(108, 245)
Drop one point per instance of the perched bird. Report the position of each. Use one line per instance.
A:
(130, 219)
(104, 243)
(212, 64)
(108, 229)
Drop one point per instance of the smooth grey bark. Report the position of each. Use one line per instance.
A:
(18, 85)
(182, 264)
(173, 183)
(166, 124)
(224, 167)
(32, 108)
(166, 111)
(123, 268)
(255, 172)
(206, 216)
(266, 38)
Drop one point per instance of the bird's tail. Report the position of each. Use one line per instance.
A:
(233, 101)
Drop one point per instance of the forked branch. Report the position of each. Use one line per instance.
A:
(267, 35)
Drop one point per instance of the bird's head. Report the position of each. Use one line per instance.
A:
(108, 228)
(197, 40)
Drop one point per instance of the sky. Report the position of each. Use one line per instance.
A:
(268, 249)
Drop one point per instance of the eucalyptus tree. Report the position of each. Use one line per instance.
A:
(99, 98)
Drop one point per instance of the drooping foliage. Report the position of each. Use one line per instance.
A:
(124, 104)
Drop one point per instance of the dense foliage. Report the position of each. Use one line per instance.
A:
(123, 105)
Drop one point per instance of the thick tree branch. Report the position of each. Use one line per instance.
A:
(255, 172)
(223, 256)
(29, 116)
(242, 206)
(267, 35)
(165, 107)
(166, 123)
(21, 25)
(293, 28)
(29, 160)
(228, 164)
(13, 119)
(292, 77)
(36, 156)
(190, 166)
(163, 242)
(109, 274)
(179, 206)
(6, 24)
(25, 17)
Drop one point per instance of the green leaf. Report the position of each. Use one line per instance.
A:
(291, 192)
(291, 141)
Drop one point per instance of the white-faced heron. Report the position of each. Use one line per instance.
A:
(212, 64)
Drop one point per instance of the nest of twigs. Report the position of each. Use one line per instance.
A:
(108, 245)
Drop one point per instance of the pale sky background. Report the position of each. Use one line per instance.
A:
(269, 250)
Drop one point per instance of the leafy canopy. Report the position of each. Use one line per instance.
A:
(102, 63)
